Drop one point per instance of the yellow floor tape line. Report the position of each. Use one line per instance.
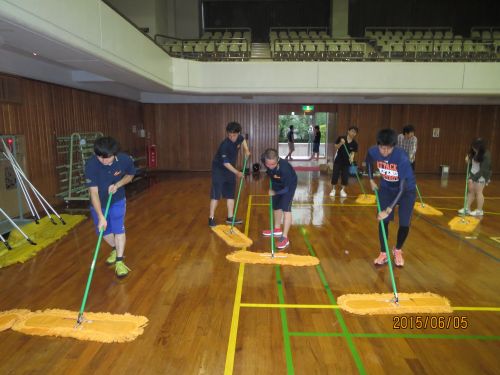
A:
(43, 234)
(464, 224)
(8, 318)
(284, 259)
(101, 327)
(425, 209)
(233, 237)
(366, 199)
(373, 304)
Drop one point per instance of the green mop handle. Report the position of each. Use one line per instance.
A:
(420, 196)
(387, 250)
(466, 186)
(357, 176)
(92, 266)
(271, 217)
(239, 191)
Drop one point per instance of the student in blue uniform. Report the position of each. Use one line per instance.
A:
(107, 172)
(397, 187)
(224, 172)
(284, 183)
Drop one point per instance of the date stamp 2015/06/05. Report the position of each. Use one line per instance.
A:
(432, 322)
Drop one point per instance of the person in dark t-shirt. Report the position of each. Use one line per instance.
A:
(346, 148)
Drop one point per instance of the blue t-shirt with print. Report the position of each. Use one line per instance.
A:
(393, 169)
(283, 176)
(227, 153)
(102, 176)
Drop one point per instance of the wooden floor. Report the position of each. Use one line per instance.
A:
(210, 316)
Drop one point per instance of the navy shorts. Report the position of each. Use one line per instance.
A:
(316, 147)
(406, 204)
(115, 219)
(223, 185)
(283, 201)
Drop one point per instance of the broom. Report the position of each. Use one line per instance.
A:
(425, 209)
(364, 198)
(231, 235)
(396, 303)
(105, 327)
(462, 223)
(284, 259)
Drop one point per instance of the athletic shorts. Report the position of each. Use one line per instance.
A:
(406, 204)
(115, 219)
(223, 185)
(316, 147)
(283, 201)
(340, 171)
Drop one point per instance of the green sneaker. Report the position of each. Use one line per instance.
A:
(112, 257)
(121, 269)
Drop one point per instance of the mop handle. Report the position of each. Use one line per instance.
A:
(271, 217)
(387, 249)
(420, 196)
(239, 191)
(92, 266)
(357, 176)
(466, 186)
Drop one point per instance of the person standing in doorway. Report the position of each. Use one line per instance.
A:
(316, 143)
(291, 143)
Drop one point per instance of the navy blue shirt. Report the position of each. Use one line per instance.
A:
(393, 169)
(283, 177)
(102, 176)
(227, 153)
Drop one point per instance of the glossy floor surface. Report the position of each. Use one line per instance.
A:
(211, 316)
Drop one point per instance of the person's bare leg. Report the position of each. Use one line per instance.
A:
(471, 195)
(287, 223)
(479, 196)
(278, 216)
(213, 206)
(120, 244)
(110, 239)
(230, 207)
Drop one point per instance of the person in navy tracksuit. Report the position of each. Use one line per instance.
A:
(397, 188)
(224, 172)
(284, 183)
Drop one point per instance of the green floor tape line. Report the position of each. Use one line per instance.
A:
(284, 324)
(397, 336)
(345, 330)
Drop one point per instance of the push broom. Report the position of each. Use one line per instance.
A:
(395, 303)
(231, 235)
(464, 223)
(425, 209)
(285, 259)
(102, 327)
(364, 198)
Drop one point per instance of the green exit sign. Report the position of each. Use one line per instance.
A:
(308, 108)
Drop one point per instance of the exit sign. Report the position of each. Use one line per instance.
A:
(308, 108)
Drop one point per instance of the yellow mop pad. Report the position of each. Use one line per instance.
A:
(465, 224)
(365, 199)
(43, 234)
(8, 318)
(373, 304)
(233, 237)
(101, 327)
(425, 209)
(284, 259)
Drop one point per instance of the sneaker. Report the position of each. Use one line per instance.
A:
(229, 220)
(476, 213)
(121, 269)
(282, 243)
(112, 257)
(381, 260)
(343, 194)
(211, 222)
(332, 193)
(398, 257)
(277, 232)
(463, 211)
